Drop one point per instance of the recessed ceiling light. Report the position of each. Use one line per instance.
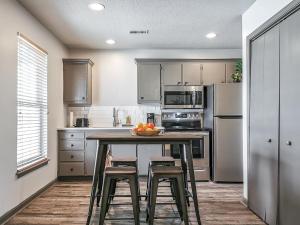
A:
(96, 6)
(211, 35)
(110, 42)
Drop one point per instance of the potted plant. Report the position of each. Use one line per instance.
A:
(237, 75)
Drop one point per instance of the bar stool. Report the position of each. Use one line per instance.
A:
(175, 174)
(121, 162)
(120, 173)
(159, 161)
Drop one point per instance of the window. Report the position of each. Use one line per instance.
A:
(31, 105)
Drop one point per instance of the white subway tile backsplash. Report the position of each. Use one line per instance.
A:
(101, 116)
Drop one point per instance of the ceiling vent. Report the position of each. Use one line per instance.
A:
(139, 32)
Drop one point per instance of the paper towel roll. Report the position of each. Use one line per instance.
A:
(71, 119)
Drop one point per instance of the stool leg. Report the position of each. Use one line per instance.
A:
(113, 189)
(148, 182)
(180, 183)
(135, 199)
(177, 197)
(107, 181)
(153, 194)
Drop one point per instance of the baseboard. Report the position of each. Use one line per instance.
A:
(4, 218)
(244, 201)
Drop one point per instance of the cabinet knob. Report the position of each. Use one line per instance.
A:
(72, 135)
(72, 156)
(72, 145)
(142, 97)
(186, 83)
(178, 83)
(83, 98)
(289, 143)
(71, 169)
(269, 140)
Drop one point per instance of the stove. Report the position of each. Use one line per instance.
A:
(188, 120)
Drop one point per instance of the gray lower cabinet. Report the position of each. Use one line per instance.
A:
(289, 124)
(77, 82)
(148, 83)
(264, 112)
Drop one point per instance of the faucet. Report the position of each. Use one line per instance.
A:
(115, 117)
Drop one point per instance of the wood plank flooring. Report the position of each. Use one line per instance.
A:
(67, 203)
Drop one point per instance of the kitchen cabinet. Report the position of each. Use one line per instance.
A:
(289, 165)
(148, 83)
(213, 73)
(264, 113)
(77, 76)
(171, 73)
(191, 73)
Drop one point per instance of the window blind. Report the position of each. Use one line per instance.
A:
(32, 108)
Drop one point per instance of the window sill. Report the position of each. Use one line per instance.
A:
(28, 169)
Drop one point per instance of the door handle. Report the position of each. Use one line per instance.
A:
(289, 143)
(269, 140)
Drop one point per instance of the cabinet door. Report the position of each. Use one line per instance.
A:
(171, 74)
(269, 154)
(148, 83)
(256, 178)
(191, 73)
(289, 124)
(213, 73)
(75, 83)
(230, 69)
(90, 157)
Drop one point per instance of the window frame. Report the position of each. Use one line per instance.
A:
(43, 159)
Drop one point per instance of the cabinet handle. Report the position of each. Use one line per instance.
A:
(71, 169)
(269, 140)
(72, 156)
(72, 135)
(178, 83)
(289, 143)
(186, 83)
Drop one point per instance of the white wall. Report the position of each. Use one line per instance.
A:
(14, 18)
(255, 16)
(115, 74)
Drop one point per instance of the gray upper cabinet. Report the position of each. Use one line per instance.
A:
(191, 73)
(213, 73)
(77, 82)
(171, 73)
(148, 83)
(289, 124)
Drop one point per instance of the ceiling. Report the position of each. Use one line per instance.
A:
(171, 23)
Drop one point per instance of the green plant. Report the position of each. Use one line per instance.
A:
(237, 75)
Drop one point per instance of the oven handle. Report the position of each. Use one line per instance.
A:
(194, 98)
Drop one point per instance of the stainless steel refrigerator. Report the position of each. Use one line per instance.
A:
(223, 116)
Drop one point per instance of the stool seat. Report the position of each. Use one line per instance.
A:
(120, 170)
(123, 159)
(161, 170)
(162, 159)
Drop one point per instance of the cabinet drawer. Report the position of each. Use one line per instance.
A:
(72, 145)
(71, 135)
(71, 156)
(71, 169)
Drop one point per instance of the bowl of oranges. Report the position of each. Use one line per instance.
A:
(146, 129)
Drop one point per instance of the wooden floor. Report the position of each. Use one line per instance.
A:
(67, 203)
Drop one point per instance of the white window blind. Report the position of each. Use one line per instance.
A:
(31, 103)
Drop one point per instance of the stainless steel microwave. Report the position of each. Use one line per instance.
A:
(183, 97)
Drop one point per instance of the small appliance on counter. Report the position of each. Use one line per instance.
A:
(151, 118)
(82, 122)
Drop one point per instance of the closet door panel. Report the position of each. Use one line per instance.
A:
(289, 123)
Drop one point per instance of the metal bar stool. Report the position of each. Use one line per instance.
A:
(120, 173)
(159, 161)
(175, 174)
